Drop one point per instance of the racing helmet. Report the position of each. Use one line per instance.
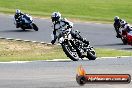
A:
(55, 16)
(116, 18)
(130, 28)
(127, 26)
(18, 11)
(123, 23)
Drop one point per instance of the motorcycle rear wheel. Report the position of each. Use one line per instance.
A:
(91, 55)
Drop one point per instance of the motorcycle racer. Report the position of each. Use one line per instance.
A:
(18, 15)
(117, 25)
(24, 21)
(62, 23)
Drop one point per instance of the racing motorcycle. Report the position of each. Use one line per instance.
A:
(129, 38)
(75, 48)
(26, 23)
(126, 37)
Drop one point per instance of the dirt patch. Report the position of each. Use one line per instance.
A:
(11, 45)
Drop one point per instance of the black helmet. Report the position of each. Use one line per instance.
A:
(55, 16)
(116, 18)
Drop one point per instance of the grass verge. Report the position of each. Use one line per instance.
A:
(11, 50)
(91, 10)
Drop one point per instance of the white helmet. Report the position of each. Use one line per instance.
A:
(18, 11)
(123, 22)
(55, 16)
(130, 28)
(127, 26)
(116, 18)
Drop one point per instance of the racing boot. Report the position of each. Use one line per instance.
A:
(118, 36)
(54, 40)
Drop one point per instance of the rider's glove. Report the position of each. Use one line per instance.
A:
(53, 41)
(54, 37)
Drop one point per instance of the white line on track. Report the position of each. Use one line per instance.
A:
(15, 62)
(55, 60)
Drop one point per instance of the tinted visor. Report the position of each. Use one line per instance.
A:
(116, 19)
(55, 19)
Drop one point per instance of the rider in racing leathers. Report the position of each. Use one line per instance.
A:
(59, 23)
(17, 17)
(117, 25)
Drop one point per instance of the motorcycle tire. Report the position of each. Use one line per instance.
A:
(67, 52)
(35, 27)
(91, 55)
(124, 41)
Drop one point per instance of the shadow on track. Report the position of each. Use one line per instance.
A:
(69, 60)
(127, 48)
(115, 44)
(17, 30)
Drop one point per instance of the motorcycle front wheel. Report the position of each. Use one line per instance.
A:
(70, 51)
(124, 41)
(23, 28)
(35, 27)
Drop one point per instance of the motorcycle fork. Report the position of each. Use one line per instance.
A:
(78, 51)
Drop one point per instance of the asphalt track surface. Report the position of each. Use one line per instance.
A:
(61, 74)
(100, 35)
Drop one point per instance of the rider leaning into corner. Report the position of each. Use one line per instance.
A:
(18, 15)
(117, 25)
(120, 24)
(60, 23)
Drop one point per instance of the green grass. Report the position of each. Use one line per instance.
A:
(90, 10)
(112, 52)
(11, 50)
